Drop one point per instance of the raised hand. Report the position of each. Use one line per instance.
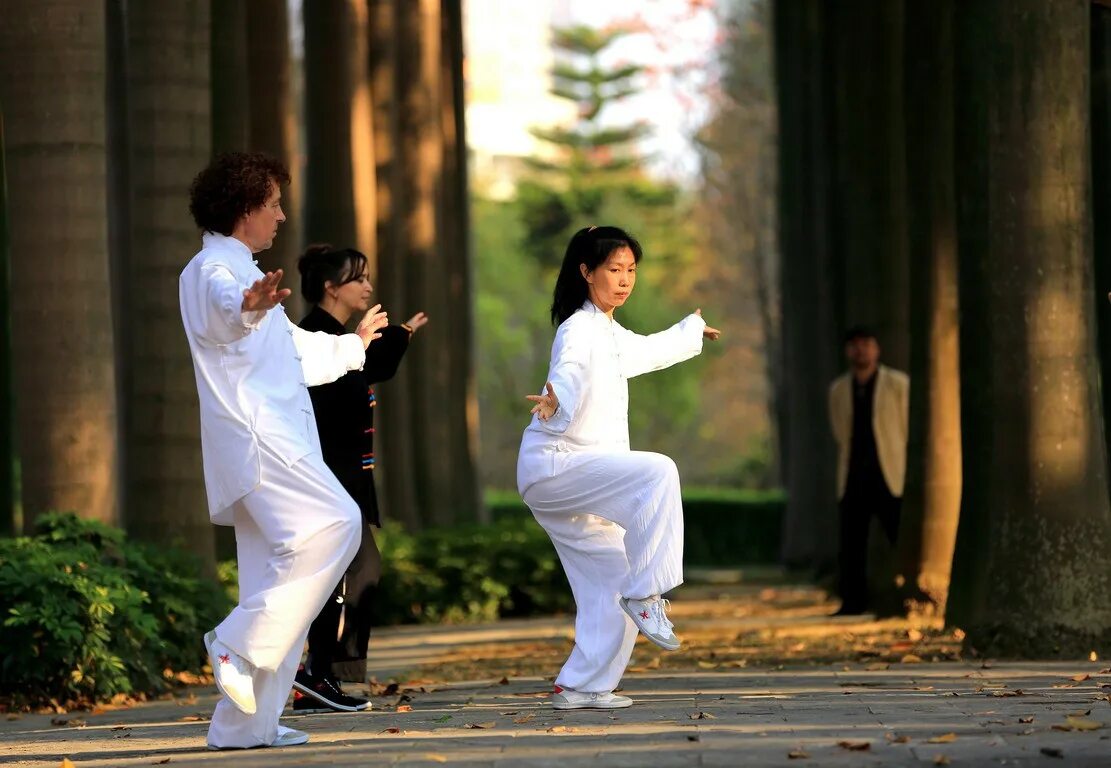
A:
(372, 322)
(546, 405)
(264, 294)
(711, 334)
(417, 321)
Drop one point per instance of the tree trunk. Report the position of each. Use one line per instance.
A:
(931, 504)
(1101, 191)
(870, 198)
(807, 274)
(273, 127)
(1033, 564)
(52, 86)
(339, 175)
(9, 503)
(169, 131)
(231, 101)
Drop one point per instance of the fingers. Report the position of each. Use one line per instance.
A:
(551, 389)
(535, 398)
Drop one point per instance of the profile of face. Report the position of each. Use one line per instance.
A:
(611, 282)
(260, 226)
(352, 296)
(862, 352)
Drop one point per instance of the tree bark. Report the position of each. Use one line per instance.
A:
(10, 524)
(273, 127)
(52, 86)
(339, 175)
(809, 318)
(931, 504)
(169, 135)
(231, 102)
(1033, 564)
(1101, 192)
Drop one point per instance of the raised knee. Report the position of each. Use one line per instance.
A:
(663, 467)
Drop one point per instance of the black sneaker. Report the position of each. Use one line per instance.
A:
(322, 694)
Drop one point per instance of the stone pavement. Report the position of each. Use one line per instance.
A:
(855, 711)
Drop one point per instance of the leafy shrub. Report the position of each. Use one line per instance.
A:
(87, 614)
(469, 573)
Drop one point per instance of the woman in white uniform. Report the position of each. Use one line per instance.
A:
(614, 515)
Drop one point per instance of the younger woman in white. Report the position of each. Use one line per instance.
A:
(614, 515)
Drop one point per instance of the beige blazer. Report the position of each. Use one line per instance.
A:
(890, 417)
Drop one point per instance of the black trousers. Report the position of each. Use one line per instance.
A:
(864, 499)
(340, 635)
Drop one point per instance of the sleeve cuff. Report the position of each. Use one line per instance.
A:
(353, 351)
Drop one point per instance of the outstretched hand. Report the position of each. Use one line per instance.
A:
(711, 334)
(546, 404)
(264, 294)
(372, 322)
(417, 321)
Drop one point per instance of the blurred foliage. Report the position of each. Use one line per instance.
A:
(88, 615)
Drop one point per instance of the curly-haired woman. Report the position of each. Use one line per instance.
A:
(296, 528)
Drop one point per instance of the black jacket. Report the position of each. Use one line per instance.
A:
(345, 410)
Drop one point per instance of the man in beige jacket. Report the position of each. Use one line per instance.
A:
(868, 409)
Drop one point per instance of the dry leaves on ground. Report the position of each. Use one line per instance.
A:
(524, 719)
(855, 746)
(1073, 723)
(894, 739)
(798, 754)
(488, 724)
(940, 759)
(404, 708)
(67, 763)
(701, 716)
(945, 738)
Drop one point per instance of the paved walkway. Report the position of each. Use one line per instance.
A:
(719, 710)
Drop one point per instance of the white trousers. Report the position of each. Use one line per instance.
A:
(295, 535)
(616, 520)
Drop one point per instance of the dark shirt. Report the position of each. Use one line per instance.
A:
(864, 461)
(345, 410)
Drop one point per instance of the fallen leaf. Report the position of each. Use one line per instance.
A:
(877, 667)
(855, 746)
(940, 759)
(1080, 713)
(504, 681)
(1008, 694)
(893, 739)
(914, 635)
(489, 724)
(707, 665)
(405, 708)
(1080, 678)
(394, 729)
(1083, 724)
(1064, 685)
(1026, 720)
(443, 719)
(67, 763)
(1052, 752)
(436, 758)
(559, 729)
(701, 716)
(945, 738)
(163, 761)
(390, 690)
(13, 716)
(797, 754)
(523, 719)
(910, 658)
(988, 664)
(1105, 671)
(1093, 656)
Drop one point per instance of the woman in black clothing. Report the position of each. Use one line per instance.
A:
(335, 282)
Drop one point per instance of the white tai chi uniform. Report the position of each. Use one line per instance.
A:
(296, 528)
(614, 515)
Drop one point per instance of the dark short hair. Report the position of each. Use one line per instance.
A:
(590, 246)
(320, 264)
(233, 185)
(859, 332)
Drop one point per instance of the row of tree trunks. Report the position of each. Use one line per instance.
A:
(429, 423)
(809, 316)
(53, 61)
(931, 501)
(1033, 562)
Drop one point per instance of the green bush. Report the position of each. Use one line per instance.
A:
(724, 526)
(469, 573)
(87, 615)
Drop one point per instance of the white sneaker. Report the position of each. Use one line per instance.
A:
(650, 616)
(565, 698)
(234, 674)
(287, 737)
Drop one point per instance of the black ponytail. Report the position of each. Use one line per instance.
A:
(590, 246)
(320, 264)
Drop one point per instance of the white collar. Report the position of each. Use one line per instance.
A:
(229, 244)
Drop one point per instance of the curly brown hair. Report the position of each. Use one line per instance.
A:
(233, 185)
